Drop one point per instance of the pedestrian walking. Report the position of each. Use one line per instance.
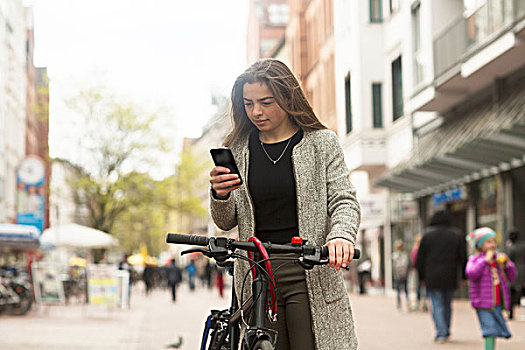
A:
(174, 278)
(220, 281)
(516, 252)
(363, 274)
(148, 277)
(421, 298)
(441, 254)
(297, 185)
(208, 273)
(126, 266)
(489, 273)
(191, 270)
(400, 264)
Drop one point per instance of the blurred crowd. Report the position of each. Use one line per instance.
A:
(198, 272)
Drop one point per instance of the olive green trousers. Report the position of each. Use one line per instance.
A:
(294, 322)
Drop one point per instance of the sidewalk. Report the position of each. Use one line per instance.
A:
(380, 326)
(154, 322)
(151, 323)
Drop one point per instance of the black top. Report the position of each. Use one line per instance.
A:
(440, 255)
(272, 188)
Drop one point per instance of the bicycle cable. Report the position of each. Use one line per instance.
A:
(269, 269)
(246, 274)
(270, 281)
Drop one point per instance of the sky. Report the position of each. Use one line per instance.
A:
(168, 54)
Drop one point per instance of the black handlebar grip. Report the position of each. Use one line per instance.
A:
(178, 238)
(324, 253)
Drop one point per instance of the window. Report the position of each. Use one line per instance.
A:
(376, 11)
(394, 6)
(416, 38)
(348, 103)
(278, 14)
(397, 88)
(377, 110)
(266, 45)
(258, 10)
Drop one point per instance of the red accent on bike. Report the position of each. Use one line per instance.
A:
(297, 240)
(264, 254)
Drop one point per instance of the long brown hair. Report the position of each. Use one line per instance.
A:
(286, 91)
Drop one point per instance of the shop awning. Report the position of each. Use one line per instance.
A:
(468, 146)
(19, 237)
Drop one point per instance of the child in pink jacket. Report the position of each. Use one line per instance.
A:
(489, 274)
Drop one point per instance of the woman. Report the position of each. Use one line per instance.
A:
(296, 184)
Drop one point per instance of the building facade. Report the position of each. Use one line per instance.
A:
(310, 42)
(402, 73)
(24, 101)
(13, 85)
(37, 111)
(468, 120)
(267, 21)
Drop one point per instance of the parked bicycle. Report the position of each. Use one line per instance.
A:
(223, 327)
(16, 293)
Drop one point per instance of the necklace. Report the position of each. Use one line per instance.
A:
(282, 154)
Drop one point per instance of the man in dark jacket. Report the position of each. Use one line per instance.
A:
(174, 277)
(440, 256)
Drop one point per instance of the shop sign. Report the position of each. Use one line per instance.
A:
(373, 207)
(102, 285)
(47, 284)
(403, 208)
(448, 196)
(30, 178)
(408, 209)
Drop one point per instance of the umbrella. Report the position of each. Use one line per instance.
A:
(74, 235)
(23, 237)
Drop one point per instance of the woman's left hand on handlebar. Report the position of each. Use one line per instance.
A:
(341, 252)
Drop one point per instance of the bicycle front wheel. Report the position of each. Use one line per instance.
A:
(263, 344)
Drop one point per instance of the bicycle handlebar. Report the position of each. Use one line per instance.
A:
(177, 238)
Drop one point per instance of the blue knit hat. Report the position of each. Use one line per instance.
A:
(477, 237)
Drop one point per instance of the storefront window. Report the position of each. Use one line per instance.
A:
(487, 204)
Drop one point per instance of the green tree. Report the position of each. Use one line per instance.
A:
(110, 179)
(146, 211)
(117, 138)
(188, 192)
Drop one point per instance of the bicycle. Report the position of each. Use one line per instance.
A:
(222, 327)
(16, 293)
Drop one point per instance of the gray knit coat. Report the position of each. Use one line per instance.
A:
(326, 209)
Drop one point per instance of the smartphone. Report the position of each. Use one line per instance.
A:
(224, 157)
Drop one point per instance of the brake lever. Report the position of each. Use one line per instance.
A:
(325, 261)
(197, 250)
(305, 265)
(313, 257)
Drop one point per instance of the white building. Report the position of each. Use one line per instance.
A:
(12, 102)
(427, 99)
(63, 209)
(470, 157)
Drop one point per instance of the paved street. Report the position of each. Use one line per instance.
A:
(381, 327)
(154, 322)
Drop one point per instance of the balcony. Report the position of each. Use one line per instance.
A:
(366, 151)
(475, 50)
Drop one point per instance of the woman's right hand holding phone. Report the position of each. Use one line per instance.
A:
(222, 182)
